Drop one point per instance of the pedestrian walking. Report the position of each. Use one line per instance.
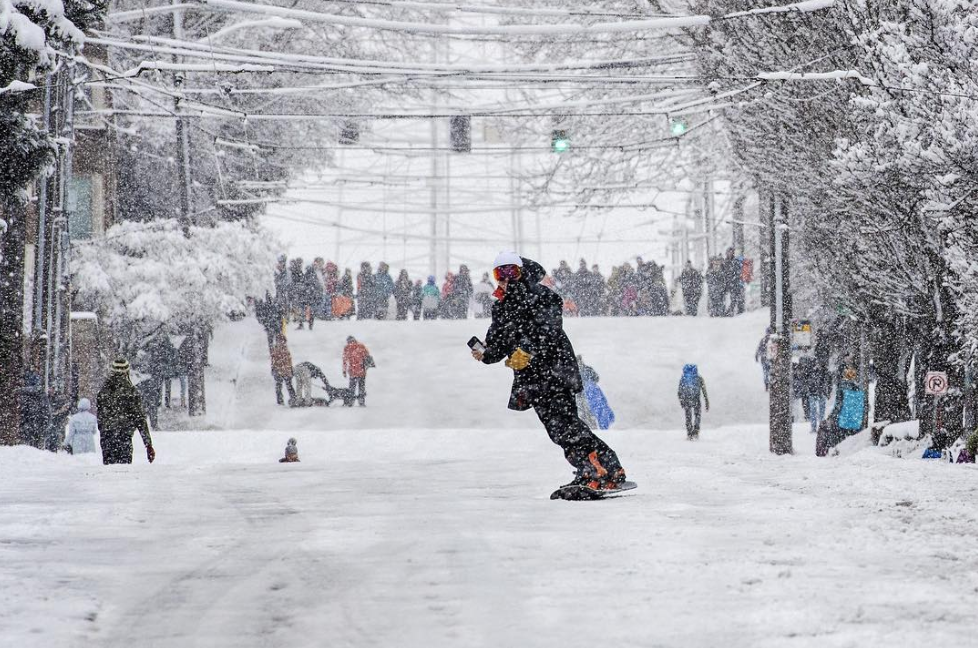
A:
(82, 428)
(761, 356)
(691, 385)
(120, 414)
(527, 332)
(356, 361)
(812, 388)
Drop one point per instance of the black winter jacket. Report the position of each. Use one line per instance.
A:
(120, 409)
(529, 318)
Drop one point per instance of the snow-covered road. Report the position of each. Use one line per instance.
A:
(442, 535)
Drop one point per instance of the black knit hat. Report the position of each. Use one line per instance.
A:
(120, 366)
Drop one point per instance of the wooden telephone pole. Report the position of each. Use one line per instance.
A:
(780, 348)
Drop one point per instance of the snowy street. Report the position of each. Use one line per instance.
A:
(718, 256)
(442, 534)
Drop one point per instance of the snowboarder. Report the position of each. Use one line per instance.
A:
(282, 369)
(121, 412)
(527, 331)
(356, 361)
(690, 386)
(81, 429)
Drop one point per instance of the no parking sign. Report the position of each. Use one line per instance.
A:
(935, 383)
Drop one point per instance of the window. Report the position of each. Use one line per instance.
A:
(80, 216)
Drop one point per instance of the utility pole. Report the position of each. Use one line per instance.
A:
(780, 381)
(60, 242)
(196, 397)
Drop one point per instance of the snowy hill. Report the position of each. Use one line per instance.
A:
(422, 520)
(426, 379)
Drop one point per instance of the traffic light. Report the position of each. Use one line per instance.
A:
(678, 126)
(559, 141)
(349, 132)
(461, 131)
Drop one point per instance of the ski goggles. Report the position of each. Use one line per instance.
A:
(507, 273)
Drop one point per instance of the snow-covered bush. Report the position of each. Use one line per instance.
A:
(146, 277)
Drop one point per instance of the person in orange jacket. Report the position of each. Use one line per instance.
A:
(356, 361)
(282, 369)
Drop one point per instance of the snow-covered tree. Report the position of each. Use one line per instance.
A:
(146, 278)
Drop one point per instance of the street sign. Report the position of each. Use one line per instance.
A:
(801, 334)
(935, 383)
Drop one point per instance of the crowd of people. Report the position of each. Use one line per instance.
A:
(319, 291)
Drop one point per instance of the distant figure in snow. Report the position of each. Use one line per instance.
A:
(304, 372)
(812, 381)
(356, 361)
(430, 299)
(691, 282)
(690, 386)
(81, 429)
(282, 369)
(482, 293)
(35, 410)
(121, 412)
(291, 452)
(761, 356)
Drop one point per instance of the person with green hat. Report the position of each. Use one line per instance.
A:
(120, 412)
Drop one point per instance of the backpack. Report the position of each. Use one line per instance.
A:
(689, 384)
(598, 404)
(851, 413)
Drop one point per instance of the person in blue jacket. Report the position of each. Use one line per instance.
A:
(690, 386)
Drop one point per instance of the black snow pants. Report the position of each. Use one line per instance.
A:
(588, 454)
(116, 447)
(692, 409)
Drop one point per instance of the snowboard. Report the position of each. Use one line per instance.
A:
(583, 493)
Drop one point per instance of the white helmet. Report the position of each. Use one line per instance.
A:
(507, 258)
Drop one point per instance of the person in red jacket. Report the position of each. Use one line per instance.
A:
(356, 360)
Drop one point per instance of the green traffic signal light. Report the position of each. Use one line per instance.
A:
(559, 141)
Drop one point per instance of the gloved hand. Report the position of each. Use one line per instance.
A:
(150, 453)
(519, 360)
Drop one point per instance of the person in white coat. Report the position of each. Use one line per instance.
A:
(81, 429)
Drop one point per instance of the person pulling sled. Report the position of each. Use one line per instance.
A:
(527, 332)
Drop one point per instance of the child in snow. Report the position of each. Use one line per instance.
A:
(81, 429)
(690, 386)
(291, 452)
